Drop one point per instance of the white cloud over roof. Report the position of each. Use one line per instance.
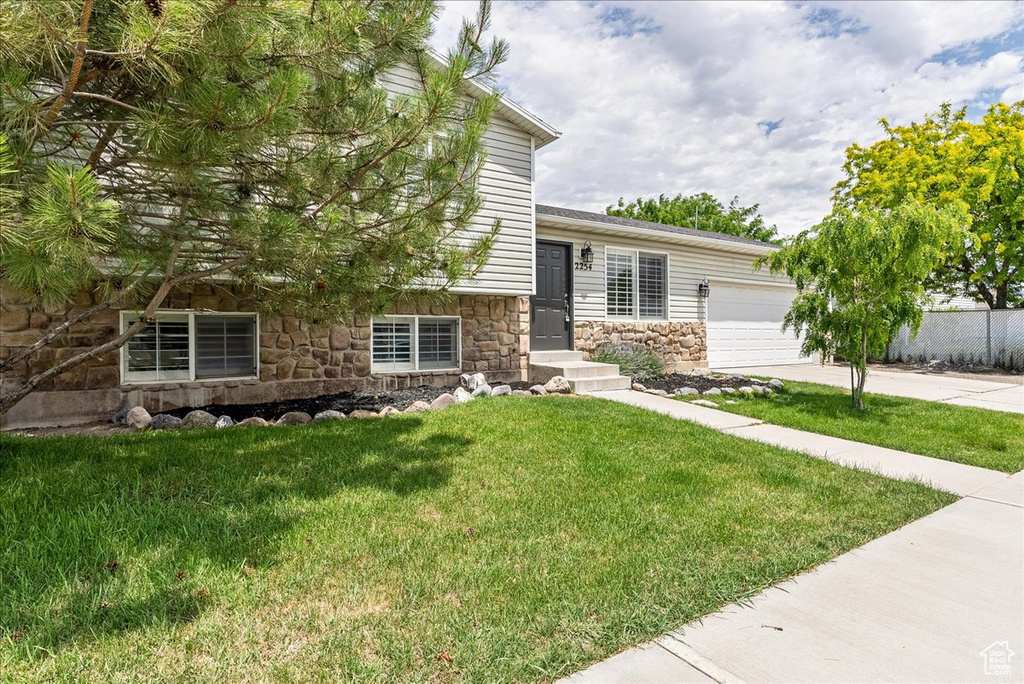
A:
(752, 99)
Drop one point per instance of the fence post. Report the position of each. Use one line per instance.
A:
(988, 337)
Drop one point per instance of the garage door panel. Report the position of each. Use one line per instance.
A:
(745, 327)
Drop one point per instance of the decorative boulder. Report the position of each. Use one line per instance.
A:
(138, 418)
(522, 393)
(389, 411)
(223, 422)
(704, 402)
(329, 414)
(118, 418)
(747, 390)
(295, 418)
(501, 390)
(472, 381)
(443, 402)
(657, 392)
(483, 390)
(362, 413)
(685, 391)
(712, 391)
(538, 390)
(728, 390)
(255, 421)
(776, 383)
(558, 385)
(461, 395)
(199, 419)
(417, 406)
(637, 387)
(163, 421)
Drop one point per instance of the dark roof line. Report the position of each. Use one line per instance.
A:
(544, 209)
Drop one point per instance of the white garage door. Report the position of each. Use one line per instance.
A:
(745, 326)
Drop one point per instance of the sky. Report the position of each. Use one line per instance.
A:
(751, 99)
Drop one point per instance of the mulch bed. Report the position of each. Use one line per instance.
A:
(673, 381)
(346, 402)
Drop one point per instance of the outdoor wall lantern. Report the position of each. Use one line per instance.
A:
(703, 288)
(587, 253)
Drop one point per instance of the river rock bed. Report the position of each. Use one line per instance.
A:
(673, 381)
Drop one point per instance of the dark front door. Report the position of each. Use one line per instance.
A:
(550, 312)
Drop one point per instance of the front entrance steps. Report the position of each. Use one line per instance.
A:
(583, 376)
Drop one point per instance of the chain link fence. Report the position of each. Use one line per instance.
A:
(991, 338)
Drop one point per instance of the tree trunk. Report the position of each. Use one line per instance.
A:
(1001, 292)
(862, 372)
(9, 400)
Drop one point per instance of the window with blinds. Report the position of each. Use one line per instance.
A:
(413, 343)
(620, 274)
(190, 346)
(652, 286)
(225, 346)
(160, 352)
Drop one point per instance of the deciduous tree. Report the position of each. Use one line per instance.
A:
(701, 212)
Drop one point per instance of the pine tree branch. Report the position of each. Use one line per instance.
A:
(76, 66)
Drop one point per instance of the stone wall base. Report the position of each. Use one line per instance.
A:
(681, 345)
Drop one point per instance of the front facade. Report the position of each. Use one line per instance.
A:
(537, 292)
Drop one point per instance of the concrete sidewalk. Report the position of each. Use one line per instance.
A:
(948, 476)
(995, 396)
(917, 605)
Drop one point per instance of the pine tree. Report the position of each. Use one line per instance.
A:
(150, 146)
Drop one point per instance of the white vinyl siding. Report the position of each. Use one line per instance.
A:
(182, 346)
(687, 266)
(415, 343)
(506, 185)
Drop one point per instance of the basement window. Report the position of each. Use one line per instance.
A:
(415, 343)
(183, 346)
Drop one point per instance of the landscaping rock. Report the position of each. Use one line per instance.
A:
(776, 383)
(522, 393)
(329, 414)
(755, 381)
(657, 392)
(443, 402)
(472, 381)
(558, 385)
(138, 418)
(255, 421)
(199, 419)
(118, 418)
(389, 411)
(295, 418)
(685, 391)
(501, 391)
(461, 395)
(162, 421)
(637, 387)
(731, 401)
(728, 390)
(713, 391)
(734, 376)
(704, 402)
(223, 422)
(483, 390)
(538, 390)
(417, 407)
(746, 389)
(360, 413)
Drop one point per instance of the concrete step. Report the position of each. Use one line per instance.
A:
(549, 357)
(572, 370)
(600, 384)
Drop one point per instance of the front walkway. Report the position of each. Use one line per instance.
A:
(918, 604)
(995, 396)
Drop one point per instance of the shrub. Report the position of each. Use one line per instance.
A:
(636, 361)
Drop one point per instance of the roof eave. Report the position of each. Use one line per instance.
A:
(600, 227)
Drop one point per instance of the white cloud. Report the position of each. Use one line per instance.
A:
(682, 109)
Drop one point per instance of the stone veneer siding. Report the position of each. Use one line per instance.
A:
(682, 345)
(298, 358)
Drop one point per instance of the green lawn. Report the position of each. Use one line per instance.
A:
(522, 538)
(978, 437)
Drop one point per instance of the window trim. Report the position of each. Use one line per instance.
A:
(191, 315)
(636, 252)
(415, 318)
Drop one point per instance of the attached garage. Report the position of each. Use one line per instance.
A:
(745, 326)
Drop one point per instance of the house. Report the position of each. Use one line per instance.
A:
(558, 283)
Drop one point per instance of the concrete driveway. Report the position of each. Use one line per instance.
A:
(986, 394)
